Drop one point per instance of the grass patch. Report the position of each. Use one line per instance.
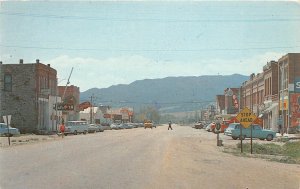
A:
(287, 153)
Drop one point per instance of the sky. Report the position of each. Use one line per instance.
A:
(116, 42)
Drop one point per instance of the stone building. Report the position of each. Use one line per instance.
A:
(25, 93)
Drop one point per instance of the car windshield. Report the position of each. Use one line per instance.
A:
(232, 126)
(76, 123)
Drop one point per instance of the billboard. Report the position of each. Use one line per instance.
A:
(295, 109)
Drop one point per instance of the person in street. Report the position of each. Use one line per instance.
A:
(62, 130)
(170, 126)
(280, 129)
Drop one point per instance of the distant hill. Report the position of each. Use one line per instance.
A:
(171, 94)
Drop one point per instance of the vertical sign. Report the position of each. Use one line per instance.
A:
(7, 119)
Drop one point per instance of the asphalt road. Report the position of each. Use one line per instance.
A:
(139, 158)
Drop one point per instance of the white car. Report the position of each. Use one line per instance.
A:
(75, 127)
(4, 130)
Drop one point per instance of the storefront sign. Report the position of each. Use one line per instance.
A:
(297, 85)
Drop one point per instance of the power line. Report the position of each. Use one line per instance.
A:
(158, 103)
(149, 50)
(72, 17)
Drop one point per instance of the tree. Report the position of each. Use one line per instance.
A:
(149, 113)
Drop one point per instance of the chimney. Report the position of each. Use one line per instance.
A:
(48, 65)
(37, 61)
(0, 62)
(21, 61)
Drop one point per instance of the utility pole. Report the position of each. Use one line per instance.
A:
(91, 109)
(282, 96)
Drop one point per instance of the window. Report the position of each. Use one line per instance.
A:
(7, 82)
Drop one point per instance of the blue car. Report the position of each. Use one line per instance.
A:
(4, 130)
(257, 132)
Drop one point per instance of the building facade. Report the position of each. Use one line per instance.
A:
(289, 91)
(269, 110)
(253, 93)
(25, 93)
(70, 95)
(220, 104)
(232, 101)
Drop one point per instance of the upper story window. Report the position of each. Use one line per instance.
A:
(7, 82)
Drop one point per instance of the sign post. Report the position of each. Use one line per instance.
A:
(217, 130)
(7, 119)
(245, 118)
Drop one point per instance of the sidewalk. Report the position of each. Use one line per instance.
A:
(27, 139)
(288, 136)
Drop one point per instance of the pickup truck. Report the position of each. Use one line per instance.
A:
(148, 124)
(257, 132)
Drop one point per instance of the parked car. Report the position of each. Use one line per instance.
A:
(75, 127)
(114, 126)
(210, 127)
(125, 126)
(198, 125)
(4, 130)
(93, 128)
(231, 127)
(257, 132)
(105, 127)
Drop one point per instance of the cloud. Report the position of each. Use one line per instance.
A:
(100, 73)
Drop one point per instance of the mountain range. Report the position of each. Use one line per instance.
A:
(170, 94)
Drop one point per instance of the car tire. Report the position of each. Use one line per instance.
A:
(243, 137)
(261, 139)
(234, 138)
(75, 132)
(84, 132)
(269, 137)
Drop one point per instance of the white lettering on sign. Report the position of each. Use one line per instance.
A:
(298, 85)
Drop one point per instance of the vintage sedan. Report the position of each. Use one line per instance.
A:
(232, 126)
(257, 132)
(93, 128)
(8, 131)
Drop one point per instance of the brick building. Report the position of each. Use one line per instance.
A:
(252, 93)
(232, 102)
(289, 91)
(269, 109)
(26, 93)
(70, 95)
(220, 105)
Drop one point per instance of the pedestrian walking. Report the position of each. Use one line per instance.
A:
(280, 129)
(62, 130)
(170, 126)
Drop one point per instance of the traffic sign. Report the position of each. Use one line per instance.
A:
(218, 126)
(246, 117)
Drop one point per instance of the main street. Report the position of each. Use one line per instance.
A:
(137, 159)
